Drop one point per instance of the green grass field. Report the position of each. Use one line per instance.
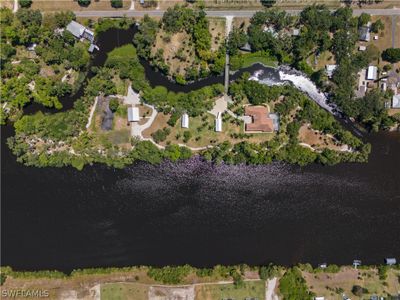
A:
(124, 291)
(250, 289)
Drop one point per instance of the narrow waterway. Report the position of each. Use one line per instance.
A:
(198, 213)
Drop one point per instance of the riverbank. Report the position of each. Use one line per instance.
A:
(140, 283)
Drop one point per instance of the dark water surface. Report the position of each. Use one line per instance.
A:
(197, 213)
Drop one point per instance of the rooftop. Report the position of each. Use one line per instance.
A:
(260, 119)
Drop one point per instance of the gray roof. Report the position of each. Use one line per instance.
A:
(76, 29)
(364, 33)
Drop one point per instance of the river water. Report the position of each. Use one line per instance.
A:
(199, 213)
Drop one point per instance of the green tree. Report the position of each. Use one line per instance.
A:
(391, 55)
(25, 3)
(84, 2)
(116, 3)
(268, 3)
(377, 26)
(187, 135)
(237, 38)
(363, 19)
(113, 104)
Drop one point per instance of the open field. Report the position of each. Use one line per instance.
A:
(49, 5)
(126, 291)
(202, 131)
(328, 285)
(250, 289)
(316, 139)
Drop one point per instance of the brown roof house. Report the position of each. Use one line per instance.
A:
(260, 120)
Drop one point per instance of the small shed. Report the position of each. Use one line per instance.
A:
(323, 265)
(218, 123)
(246, 47)
(185, 121)
(296, 32)
(372, 73)
(319, 298)
(356, 263)
(362, 48)
(390, 261)
(133, 114)
(396, 101)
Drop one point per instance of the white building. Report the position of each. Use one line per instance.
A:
(218, 122)
(185, 121)
(372, 73)
(133, 114)
(396, 101)
(330, 69)
(362, 48)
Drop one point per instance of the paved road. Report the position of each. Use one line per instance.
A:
(216, 13)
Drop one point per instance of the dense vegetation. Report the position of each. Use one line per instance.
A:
(195, 24)
(320, 31)
(41, 71)
(293, 286)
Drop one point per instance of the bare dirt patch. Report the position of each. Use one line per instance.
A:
(317, 140)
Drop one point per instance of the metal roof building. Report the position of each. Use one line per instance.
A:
(372, 73)
(185, 121)
(76, 29)
(133, 114)
(218, 122)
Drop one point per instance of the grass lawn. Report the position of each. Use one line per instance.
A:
(128, 291)
(324, 284)
(251, 59)
(123, 52)
(250, 289)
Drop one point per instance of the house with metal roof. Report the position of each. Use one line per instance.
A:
(79, 31)
(330, 69)
(390, 261)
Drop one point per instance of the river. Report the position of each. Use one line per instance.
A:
(198, 213)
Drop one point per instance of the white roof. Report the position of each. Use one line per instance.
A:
(372, 73)
(133, 114)
(185, 121)
(396, 101)
(319, 298)
(76, 29)
(218, 124)
(330, 69)
(362, 48)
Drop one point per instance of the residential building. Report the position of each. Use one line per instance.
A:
(364, 33)
(133, 114)
(246, 47)
(185, 121)
(80, 31)
(296, 32)
(260, 120)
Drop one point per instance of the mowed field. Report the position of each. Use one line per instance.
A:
(50, 5)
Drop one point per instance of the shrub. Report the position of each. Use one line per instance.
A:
(169, 275)
(116, 3)
(113, 104)
(84, 2)
(25, 3)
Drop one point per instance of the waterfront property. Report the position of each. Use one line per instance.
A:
(259, 119)
(80, 32)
